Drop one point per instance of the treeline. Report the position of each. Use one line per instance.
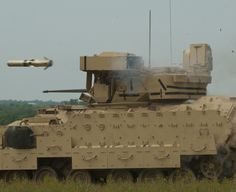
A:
(11, 110)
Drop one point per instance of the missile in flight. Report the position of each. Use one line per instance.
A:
(46, 63)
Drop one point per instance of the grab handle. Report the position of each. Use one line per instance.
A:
(125, 158)
(163, 157)
(89, 158)
(200, 149)
(20, 159)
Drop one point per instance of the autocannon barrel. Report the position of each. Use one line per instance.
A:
(66, 91)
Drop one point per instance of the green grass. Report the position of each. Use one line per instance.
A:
(160, 186)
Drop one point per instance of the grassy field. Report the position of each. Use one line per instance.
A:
(160, 186)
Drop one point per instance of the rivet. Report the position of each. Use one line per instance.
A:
(87, 127)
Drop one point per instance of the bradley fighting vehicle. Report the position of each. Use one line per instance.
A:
(136, 124)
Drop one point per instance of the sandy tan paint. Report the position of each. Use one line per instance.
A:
(136, 118)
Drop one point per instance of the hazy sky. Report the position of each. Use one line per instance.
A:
(65, 30)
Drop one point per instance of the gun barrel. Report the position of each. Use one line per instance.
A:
(66, 91)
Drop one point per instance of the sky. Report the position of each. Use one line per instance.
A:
(65, 30)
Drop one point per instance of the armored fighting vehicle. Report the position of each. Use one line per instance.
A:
(136, 123)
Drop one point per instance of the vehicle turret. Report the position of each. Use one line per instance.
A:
(122, 77)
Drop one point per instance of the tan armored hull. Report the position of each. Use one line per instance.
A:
(125, 138)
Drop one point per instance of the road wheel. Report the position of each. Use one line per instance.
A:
(120, 176)
(151, 175)
(10, 176)
(211, 167)
(79, 176)
(184, 175)
(44, 173)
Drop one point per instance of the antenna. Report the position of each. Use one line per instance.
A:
(150, 36)
(171, 43)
